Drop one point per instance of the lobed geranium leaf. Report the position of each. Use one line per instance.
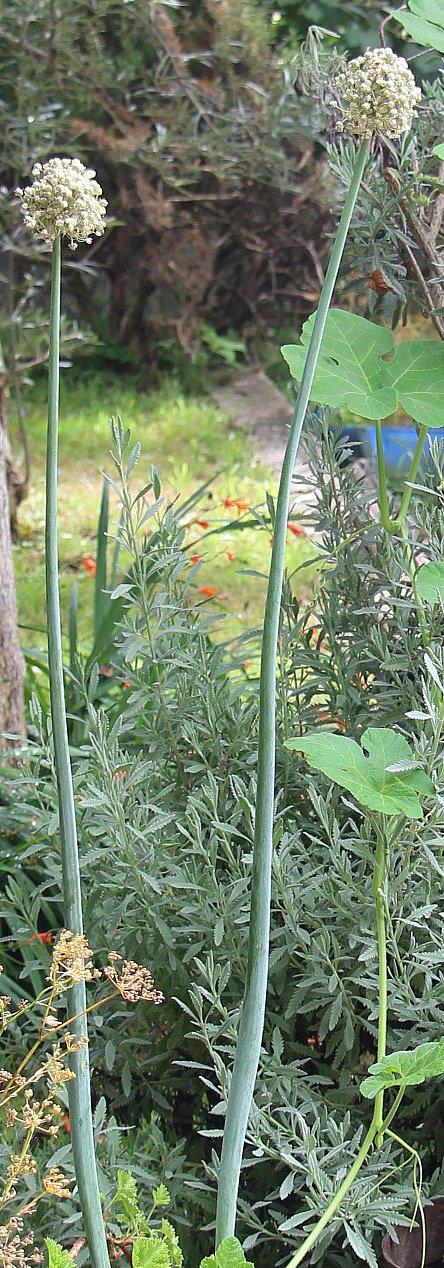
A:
(405, 1069)
(425, 22)
(360, 367)
(228, 1255)
(430, 582)
(372, 779)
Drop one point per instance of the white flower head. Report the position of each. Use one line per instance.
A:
(64, 199)
(380, 93)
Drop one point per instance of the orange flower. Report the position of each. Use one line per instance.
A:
(196, 559)
(295, 529)
(66, 1123)
(46, 938)
(313, 1040)
(126, 686)
(234, 504)
(202, 523)
(120, 774)
(208, 591)
(89, 564)
(230, 555)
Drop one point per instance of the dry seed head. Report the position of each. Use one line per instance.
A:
(17, 1248)
(380, 94)
(64, 199)
(56, 1183)
(133, 981)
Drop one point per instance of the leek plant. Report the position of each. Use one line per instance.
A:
(65, 200)
(339, 361)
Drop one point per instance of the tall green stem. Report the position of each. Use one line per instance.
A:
(395, 525)
(253, 1010)
(82, 1136)
(380, 897)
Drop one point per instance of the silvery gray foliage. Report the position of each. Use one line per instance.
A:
(166, 797)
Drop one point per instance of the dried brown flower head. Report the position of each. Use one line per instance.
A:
(17, 1249)
(56, 1183)
(133, 981)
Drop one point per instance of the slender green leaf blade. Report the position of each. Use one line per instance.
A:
(430, 582)
(72, 626)
(405, 1069)
(101, 599)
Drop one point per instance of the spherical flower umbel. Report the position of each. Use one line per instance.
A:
(380, 94)
(64, 199)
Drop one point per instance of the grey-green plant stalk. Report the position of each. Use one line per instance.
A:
(82, 1135)
(253, 1011)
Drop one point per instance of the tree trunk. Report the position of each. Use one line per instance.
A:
(12, 669)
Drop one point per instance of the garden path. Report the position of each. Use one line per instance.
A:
(252, 401)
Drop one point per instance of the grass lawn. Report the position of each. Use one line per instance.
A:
(189, 440)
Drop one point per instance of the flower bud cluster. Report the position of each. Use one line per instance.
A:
(64, 199)
(380, 94)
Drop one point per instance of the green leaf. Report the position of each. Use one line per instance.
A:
(431, 10)
(416, 375)
(429, 33)
(430, 582)
(390, 791)
(405, 1069)
(126, 1201)
(228, 1255)
(172, 1242)
(161, 1196)
(360, 1245)
(150, 1252)
(101, 599)
(439, 151)
(57, 1256)
(352, 370)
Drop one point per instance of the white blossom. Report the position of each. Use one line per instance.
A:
(380, 94)
(64, 199)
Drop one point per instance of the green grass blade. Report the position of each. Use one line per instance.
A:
(100, 596)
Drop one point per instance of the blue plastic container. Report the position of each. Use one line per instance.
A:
(398, 442)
